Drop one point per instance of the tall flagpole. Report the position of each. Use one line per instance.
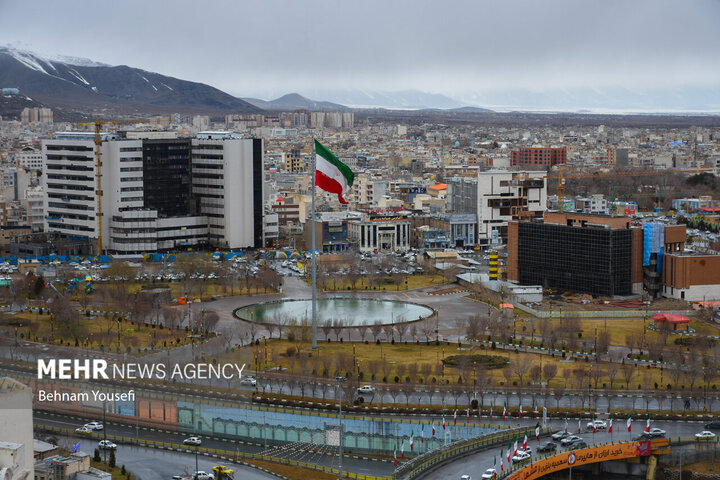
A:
(313, 253)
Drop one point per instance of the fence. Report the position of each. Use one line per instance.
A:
(597, 313)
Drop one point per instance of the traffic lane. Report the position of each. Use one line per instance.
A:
(154, 464)
(476, 463)
(321, 456)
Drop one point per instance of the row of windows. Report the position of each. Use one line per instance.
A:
(131, 199)
(131, 169)
(132, 189)
(131, 179)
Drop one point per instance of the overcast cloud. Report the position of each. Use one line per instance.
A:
(269, 47)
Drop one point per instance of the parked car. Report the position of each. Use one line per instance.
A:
(714, 425)
(366, 389)
(192, 441)
(465, 477)
(521, 456)
(83, 429)
(705, 435)
(560, 435)
(656, 433)
(200, 475)
(94, 425)
(547, 447)
(106, 445)
(599, 425)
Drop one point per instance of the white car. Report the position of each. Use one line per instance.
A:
(489, 473)
(200, 475)
(465, 477)
(656, 432)
(366, 389)
(106, 445)
(83, 429)
(94, 426)
(521, 456)
(570, 439)
(560, 435)
(248, 381)
(192, 441)
(599, 425)
(705, 435)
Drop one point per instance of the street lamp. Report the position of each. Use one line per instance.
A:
(340, 439)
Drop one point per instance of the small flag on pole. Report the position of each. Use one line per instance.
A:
(629, 423)
(521, 412)
(647, 424)
(610, 424)
(455, 417)
(504, 411)
(566, 426)
(433, 429)
(525, 441)
(537, 431)
(411, 440)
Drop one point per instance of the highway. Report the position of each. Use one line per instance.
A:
(299, 452)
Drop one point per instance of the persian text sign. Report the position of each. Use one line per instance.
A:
(582, 456)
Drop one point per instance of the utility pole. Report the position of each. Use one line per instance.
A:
(340, 442)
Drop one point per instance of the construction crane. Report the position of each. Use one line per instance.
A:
(98, 171)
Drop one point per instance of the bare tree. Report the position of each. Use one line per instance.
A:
(401, 329)
(628, 371)
(327, 327)
(376, 330)
(549, 372)
(426, 370)
(612, 369)
(603, 342)
(520, 366)
(473, 327)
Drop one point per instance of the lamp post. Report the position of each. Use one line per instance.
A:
(340, 439)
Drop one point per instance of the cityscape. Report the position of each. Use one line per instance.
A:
(302, 258)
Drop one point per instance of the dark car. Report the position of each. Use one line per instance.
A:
(577, 444)
(548, 447)
(714, 425)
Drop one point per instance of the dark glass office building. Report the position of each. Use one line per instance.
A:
(593, 260)
(166, 177)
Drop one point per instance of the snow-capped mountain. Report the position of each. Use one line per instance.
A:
(82, 84)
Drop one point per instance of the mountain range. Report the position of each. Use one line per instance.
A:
(83, 85)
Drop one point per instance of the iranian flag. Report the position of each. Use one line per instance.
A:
(610, 424)
(433, 428)
(502, 467)
(331, 174)
(537, 431)
(509, 454)
(629, 423)
(525, 441)
(455, 417)
(443, 421)
(521, 412)
(647, 424)
(515, 445)
(402, 449)
(504, 411)
(395, 456)
(566, 425)
(412, 436)
(422, 435)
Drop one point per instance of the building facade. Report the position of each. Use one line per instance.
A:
(503, 196)
(380, 233)
(538, 157)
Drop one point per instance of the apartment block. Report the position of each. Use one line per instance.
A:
(538, 156)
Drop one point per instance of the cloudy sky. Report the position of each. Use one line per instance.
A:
(266, 48)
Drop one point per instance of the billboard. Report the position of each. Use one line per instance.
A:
(583, 456)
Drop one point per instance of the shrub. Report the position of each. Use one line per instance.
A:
(489, 361)
(474, 404)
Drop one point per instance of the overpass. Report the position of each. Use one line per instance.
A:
(595, 454)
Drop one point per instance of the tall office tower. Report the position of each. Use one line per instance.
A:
(227, 180)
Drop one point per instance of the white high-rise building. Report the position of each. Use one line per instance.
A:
(148, 201)
(227, 176)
